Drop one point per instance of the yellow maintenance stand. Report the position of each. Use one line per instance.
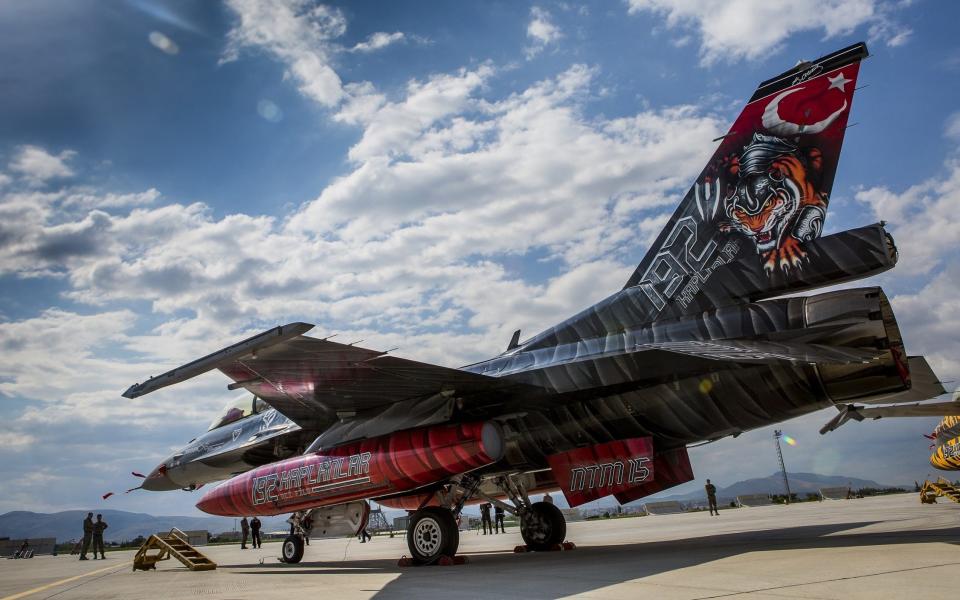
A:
(941, 488)
(172, 544)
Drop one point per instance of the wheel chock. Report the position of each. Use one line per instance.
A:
(555, 548)
(443, 561)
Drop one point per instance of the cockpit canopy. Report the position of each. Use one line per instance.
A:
(238, 409)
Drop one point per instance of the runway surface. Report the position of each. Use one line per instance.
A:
(888, 547)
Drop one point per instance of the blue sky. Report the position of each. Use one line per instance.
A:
(428, 176)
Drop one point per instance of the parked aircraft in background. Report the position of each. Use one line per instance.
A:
(698, 345)
(246, 434)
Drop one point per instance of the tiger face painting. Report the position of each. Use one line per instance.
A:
(775, 201)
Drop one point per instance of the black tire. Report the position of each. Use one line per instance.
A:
(292, 549)
(432, 533)
(543, 526)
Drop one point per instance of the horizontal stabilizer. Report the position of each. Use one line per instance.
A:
(859, 413)
(924, 385)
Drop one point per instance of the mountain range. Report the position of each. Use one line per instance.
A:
(800, 484)
(121, 525)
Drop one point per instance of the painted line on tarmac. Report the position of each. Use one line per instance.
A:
(56, 583)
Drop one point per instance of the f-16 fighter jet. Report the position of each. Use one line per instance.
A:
(247, 433)
(699, 344)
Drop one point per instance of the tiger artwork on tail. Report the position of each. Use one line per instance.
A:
(775, 200)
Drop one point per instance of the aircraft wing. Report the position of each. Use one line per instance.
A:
(304, 377)
(313, 381)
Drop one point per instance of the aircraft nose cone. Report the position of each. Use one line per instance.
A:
(159, 481)
(226, 500)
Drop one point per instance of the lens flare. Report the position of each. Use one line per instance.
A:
(789, 440)
(163, 43)
(269, 111)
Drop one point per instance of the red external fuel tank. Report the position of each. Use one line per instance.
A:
(399, 462)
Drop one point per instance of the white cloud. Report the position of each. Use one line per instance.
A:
(298, 33)
(541, 30)
(924, 212)
(378, 41)
(447, 187)
(951, 129)
(37, 166)
(15, 441)
(732, 30)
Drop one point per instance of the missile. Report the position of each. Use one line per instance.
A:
(380, 466)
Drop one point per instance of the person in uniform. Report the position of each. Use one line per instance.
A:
(98, 528)
(255, 530)
(244, 533)
(712, 498)
(87, 536)
(485, 518)
(498, 520)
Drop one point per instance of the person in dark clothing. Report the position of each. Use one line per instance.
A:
(87, 536)
(485, 518)
(255, 530)
(712, 498)
(365, 535)
(498, 520)
(244, 532)
(98, 528)
(22, 552)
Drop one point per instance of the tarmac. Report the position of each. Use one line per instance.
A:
(885, 547)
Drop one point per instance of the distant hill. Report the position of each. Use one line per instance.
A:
(123, 525)
(800, 484)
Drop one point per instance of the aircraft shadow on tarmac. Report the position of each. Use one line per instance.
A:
(550, 575)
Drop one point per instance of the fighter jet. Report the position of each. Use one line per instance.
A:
(246, 434)
(711, 336)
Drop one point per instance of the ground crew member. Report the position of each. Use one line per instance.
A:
(98, 528)
(712, 498)
(244, 532)
(255, 530)
(498, 522)
(87, 536)
(485, 518)
(365, 535)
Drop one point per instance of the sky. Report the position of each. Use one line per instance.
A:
(426, 176)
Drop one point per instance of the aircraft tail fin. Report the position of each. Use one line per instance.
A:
(765, 191)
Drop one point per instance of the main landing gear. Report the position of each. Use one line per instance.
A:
(432, 532)
(543, 527)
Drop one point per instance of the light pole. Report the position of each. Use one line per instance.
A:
(777, 434)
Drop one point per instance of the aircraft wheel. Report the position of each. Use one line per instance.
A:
(432, 533)
(292, 549)
(543, 526)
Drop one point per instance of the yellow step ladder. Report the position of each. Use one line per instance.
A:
(173, 544)
(941, 488)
